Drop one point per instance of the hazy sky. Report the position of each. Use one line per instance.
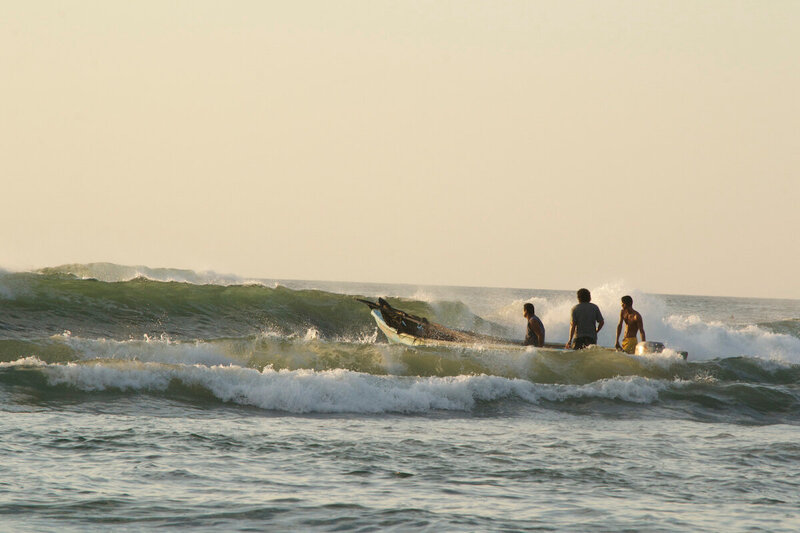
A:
(501, 143)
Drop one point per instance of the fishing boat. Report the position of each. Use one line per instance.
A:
(404, 328)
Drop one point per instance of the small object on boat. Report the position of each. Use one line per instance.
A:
(648, 347)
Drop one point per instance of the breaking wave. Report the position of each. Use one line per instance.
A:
(346, 391)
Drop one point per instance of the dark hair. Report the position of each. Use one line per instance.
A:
(627, 300)
(529, 308)
(584, 295)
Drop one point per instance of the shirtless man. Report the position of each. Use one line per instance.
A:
(633, 325)
(535, 332)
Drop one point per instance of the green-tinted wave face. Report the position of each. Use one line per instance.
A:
(787, 327)
(45, 304)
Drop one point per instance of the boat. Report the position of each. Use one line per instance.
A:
(411, 330)
(403, 328)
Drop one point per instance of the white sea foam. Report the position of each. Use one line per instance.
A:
(311, 334)
(664, 360)
(364, 338)
(271, 332)
(510, 315)
(24, 362)
(422, 295)
(706, 340)
(335, 391)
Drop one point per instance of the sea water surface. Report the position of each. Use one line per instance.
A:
(134, 398)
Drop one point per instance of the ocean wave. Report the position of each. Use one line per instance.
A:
(788, 327)
(332, 391)
(308, 351)
(360, 355)
(703, 394)
(707, 340)
(105, 301)
(47, 304)
(111, 273)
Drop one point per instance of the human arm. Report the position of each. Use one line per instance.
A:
(530, 333)
(571, 335)
(619, 330)
(529, 340)
(539, 332)
(641, 328)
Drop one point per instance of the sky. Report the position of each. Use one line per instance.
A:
(526, 144)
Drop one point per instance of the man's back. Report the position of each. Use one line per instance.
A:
(535, 333)
(585, 316)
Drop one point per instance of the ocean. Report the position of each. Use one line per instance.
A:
(136, 399)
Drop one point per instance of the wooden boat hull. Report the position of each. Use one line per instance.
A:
(396, 337)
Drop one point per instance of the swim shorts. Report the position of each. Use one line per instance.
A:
(629, 344)
(582, 342)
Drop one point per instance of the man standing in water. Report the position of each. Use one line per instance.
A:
(584, 317)
(535, 334)
(633, 325)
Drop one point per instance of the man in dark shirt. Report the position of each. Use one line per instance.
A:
(584, 317)
(535, 333)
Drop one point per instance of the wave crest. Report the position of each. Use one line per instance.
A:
(332, 391)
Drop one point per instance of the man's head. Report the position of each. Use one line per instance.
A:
(584, 295)
(528, 310)
(627, 301)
